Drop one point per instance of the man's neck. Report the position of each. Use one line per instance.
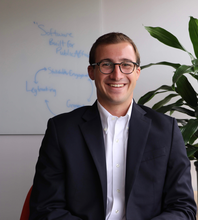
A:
(117, 110)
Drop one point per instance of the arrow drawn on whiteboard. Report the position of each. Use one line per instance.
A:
(35, 81)
(47, 103)
(89, 99)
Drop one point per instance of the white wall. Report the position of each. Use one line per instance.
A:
(19, 152)
(17, 163)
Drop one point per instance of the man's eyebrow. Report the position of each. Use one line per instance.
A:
(126, 59)
(106, 59)
(121, 60)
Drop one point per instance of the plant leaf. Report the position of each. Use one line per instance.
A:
(186, 91)
(170, 107)
(193, 32)
(195, 62)
(165, 37)
(196, 112)
(163, 101)
(174, 65)
(191, 150)
(149, 95)
(180, 71)
(195, 76)
(184, 111)
(195, 66)
(182, 121)
(189, 129)
(193, 139)
(196, 153)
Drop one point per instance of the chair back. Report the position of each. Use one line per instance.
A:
(26, 210)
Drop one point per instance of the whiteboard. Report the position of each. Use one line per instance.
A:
(44, 50)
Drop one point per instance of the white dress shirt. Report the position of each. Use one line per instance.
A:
(115, 132)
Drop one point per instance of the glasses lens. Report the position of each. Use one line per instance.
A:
(106, 67)
(127, 67)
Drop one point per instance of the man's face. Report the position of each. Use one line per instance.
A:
(115, 88)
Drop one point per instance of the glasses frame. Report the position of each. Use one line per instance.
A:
(98, 64)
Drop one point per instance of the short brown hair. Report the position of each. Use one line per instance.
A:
(112, 38)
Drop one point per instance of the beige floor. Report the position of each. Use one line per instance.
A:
(195, 196)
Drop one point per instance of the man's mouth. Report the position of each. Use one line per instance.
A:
(116, 85)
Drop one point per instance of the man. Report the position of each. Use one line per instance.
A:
(114, 160)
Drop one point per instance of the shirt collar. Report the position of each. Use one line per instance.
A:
(104, 114)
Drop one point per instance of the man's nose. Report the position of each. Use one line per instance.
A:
(116, 74)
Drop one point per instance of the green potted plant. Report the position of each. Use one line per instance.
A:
(180, 96)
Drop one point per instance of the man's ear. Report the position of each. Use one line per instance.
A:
(91, 72)
(138, 70)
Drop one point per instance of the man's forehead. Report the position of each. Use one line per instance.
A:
(113, 44)
(124, 50)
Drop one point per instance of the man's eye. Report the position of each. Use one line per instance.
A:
(106, 64)
(127, 64)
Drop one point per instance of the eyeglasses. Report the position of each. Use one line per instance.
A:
(107, 67)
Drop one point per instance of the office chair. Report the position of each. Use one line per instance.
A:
(26, 210)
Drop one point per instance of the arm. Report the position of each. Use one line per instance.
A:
(178, 199)
(48, 195)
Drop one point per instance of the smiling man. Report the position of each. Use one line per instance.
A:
(116, 76)
(114, 160)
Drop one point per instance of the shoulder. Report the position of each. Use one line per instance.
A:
(74, 115)
(156, 117)
(67, 123)
(151, 112)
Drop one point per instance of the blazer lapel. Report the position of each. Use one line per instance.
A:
(92, 132)
(138, 133)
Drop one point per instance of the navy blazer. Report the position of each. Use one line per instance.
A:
(71, 182)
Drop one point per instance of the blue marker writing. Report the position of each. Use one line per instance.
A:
(52, 32)
(77, 53)
(59, 43)
(47, 103)
(35, 80)
(37, 89)
(68, 73)
(73, 106)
